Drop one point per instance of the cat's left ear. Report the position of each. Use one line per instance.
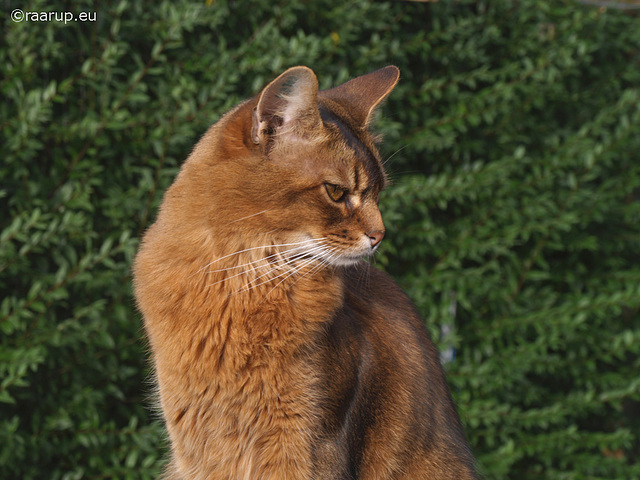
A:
(363, 94)
(287, 105)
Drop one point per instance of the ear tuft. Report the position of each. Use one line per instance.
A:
(290, 100)
(363, 94)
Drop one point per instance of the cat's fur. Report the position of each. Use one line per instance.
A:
(278, 353)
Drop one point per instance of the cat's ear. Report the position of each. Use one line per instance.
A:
(363, 94)
(287, 104)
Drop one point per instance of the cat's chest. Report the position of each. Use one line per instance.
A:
(245, 390)
(254, 422)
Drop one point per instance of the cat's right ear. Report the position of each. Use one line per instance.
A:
(287, 105)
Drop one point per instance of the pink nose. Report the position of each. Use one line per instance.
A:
(376, 237)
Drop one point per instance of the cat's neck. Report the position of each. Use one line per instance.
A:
(267, 309)
(224, 294)
(264, 277)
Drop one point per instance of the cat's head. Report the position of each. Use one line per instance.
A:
(298, 168)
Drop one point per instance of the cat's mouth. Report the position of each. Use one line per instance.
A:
(327, 254)
(347, 258)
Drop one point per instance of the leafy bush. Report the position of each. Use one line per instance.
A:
(513, 221)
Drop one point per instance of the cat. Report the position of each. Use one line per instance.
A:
(279, 353)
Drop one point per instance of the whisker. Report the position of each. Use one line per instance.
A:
(244, 272)
(323, 263)
(384, 162)
(314, 257)
(267, 258)
(255, 248)
(291, 273)
(256, 267)
(248, 216)
(364, 272)
(292, 270)
(288, 273)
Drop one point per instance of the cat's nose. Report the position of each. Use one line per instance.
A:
(376, 237)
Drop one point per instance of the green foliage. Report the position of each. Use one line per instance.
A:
(514, 216)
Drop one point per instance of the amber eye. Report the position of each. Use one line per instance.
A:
(335, 192)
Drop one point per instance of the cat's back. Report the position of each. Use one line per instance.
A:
(388, 408)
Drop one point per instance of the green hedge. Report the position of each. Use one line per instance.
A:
(513, 219)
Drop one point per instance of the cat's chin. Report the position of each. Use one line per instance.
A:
(346, 260)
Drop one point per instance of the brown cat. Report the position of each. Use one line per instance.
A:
(279, 353)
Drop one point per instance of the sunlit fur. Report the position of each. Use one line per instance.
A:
(273, 359)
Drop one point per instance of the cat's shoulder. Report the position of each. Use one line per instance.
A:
(380, 303)
(377, 288)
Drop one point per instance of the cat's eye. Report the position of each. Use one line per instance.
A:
(335, 192)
